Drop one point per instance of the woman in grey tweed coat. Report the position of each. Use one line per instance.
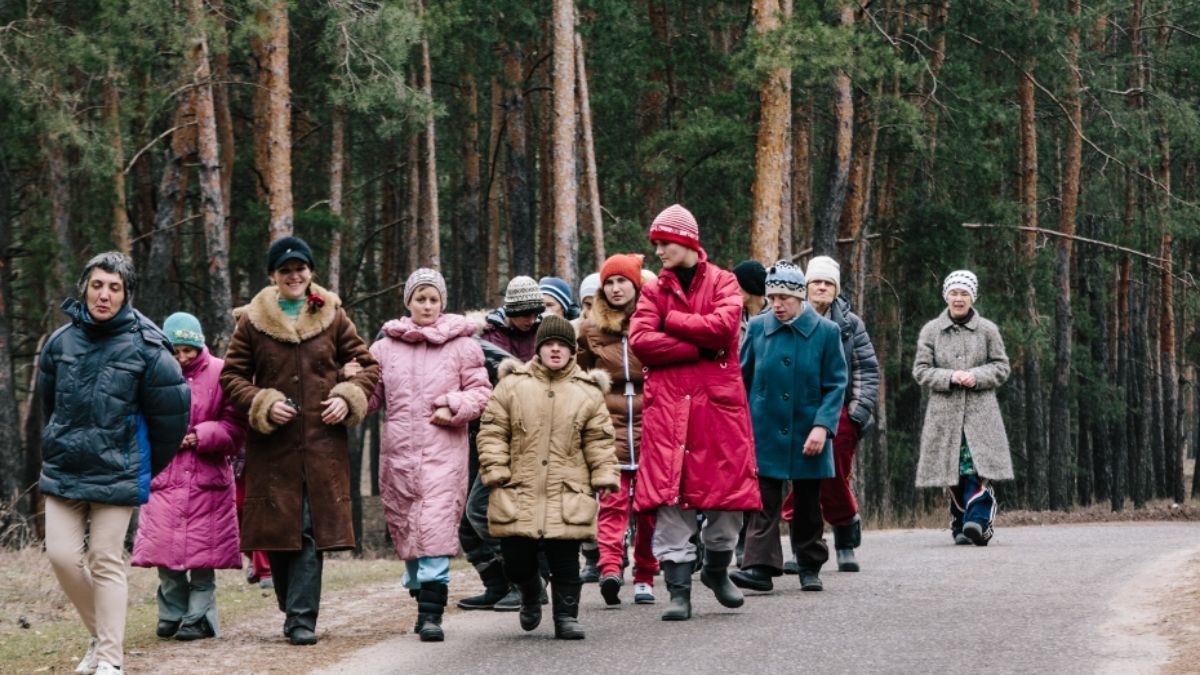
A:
(961, 362)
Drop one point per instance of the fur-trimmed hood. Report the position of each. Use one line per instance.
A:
(264, 312)
(600, 379)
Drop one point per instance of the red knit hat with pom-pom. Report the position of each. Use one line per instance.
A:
(628, 265)
(676, 224)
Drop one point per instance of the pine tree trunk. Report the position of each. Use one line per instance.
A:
(495, 176)
(112, 115)
(1061, 455)
(212, 204)
(12, 457)
(159, 272)
(220, 61)
(412, 233)
(775, 109)
(59, 191)
(566, 184)
(802, 218)
(469, 273)
(277, 170)
(520, 198)
(430, 235)
(825, 236)
(337, 179)
(591, 178)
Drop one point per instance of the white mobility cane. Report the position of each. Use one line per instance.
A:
(632, 465)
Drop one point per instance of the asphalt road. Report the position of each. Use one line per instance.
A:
(1037, 600)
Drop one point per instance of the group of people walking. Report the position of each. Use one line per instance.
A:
(694, 409)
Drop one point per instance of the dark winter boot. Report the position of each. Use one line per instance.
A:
(590, 573)
(679, 584)
(565, 596)
(510, 602)
(753, 578)
(846, 538)
(431, 603)
(810, 580)
(715, 575)
(495, 587)
(531, 602)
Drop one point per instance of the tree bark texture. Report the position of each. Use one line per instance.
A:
(430, 239)
(12, 457)
(566, 184)
(825, 236)
(337, 181)
(802, 218)
(112, 114)
(520, 202)
(273, 58)
(775, 109)
(470, 273)
(589, 157)
(495, 176)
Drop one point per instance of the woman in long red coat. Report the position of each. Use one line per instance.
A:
(697, 446)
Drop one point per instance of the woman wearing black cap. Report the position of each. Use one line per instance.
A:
(281, 370)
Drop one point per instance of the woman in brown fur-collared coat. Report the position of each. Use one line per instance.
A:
(604, 343)
(281, 370)
(545, 449)
(961, 361)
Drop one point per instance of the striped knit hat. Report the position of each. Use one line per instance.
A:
(424, 277)
(522, 297)
(676, 224)
(785, 278)
(963, 279)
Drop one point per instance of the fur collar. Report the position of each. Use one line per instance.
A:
(265, 314)
(595, 377)
(609, 319)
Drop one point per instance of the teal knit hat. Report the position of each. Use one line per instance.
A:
(184, 329)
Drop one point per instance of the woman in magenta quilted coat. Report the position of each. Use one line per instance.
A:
(189, 526)
(433, 383)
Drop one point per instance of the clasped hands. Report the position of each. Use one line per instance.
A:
(963, 378)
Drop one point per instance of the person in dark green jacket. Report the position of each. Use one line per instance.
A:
(795, 376)
(116, 408)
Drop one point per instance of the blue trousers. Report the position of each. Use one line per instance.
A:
(973, 500)
(426, 570)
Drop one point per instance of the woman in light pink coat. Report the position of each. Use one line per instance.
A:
(190, 523)
(433, 383)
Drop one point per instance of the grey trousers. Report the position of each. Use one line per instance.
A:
(675, 528)
(188, 601)
(478, 544)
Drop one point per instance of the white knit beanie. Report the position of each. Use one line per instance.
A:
(590, 286)
(825, 268)
(961, 279)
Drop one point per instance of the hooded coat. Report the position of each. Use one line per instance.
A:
(697, 445)
(602, 344)
(545, 447)
(272, 358)
(953, 411)
(115, 405)
(423, 467)
(190, 521)
(494, 328)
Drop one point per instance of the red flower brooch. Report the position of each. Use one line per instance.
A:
(315, 302)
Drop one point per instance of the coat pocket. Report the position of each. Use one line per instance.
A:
(503, 505)
(578, 504)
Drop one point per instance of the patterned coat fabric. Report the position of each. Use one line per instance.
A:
(942, 348)
(190, 521)
(423, 466)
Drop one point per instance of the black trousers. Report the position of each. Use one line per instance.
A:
(297, 577)
(521, 558)
(763, 547)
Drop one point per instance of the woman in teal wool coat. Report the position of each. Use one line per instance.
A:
(795, 373)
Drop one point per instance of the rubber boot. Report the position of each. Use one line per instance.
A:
(846, 538)
(565, 596)
(715, 575)
(531, 602)
(679, 584)
(431, 604)
(495, 587)
(590, 573)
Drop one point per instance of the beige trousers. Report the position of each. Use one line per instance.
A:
(91, 568)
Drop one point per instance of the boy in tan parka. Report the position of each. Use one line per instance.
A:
(545, 449)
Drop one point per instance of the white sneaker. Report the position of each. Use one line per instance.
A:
(643, 594)
(88, 664)
(106, 668)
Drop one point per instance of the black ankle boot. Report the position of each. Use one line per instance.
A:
(590, 573)
(715, 575)
(431, 603)
(846, 538)
(495, 587)
(565, 596)
(531, 602)
(679, 584)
